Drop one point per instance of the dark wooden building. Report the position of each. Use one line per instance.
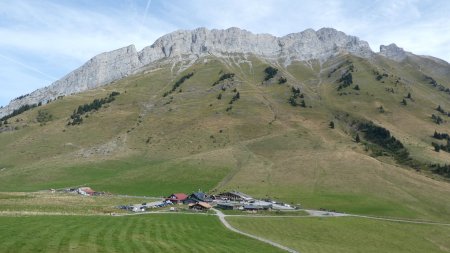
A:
(197, 197)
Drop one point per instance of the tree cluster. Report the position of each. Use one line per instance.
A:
(178, 83)
(270, 73)
(44, 116)
(443, 170)
(441, 110)
(383, 138)
(438, 147)
(20, 97)
(379, 76)
(435, 84)
(282, 80)
(76, 117)
(18, 111)
(223, 77)
(441, 136)
(437, 119)
(345, 80)
(350, 67)
(296, 93)
(235, 98)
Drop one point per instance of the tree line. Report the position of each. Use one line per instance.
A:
(178, 83)
(76, 117)
(443, 170)
(223, 77)
(383, 138)
(20, 110)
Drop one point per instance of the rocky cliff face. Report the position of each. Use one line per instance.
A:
(114, 65)
(305, 45)
(102, 69)
(393, 52)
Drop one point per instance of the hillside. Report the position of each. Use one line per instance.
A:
(168, 131)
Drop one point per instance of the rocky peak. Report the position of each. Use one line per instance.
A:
(110, 66)
(393, 52)
(305, 45)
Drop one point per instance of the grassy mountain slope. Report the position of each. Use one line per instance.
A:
(149, 144)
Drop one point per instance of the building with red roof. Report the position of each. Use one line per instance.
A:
(177, 198)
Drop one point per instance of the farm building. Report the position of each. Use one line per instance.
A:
(253, 207)
(86, 191)
(197, 197)
(200, 206)
(177, 198)
(234, 196)
(229, 205)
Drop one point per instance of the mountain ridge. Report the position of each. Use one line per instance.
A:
(193, 44)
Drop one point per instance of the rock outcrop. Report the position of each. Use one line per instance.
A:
(107, 67)
(102, 69)
(393, 52)
(306, 45)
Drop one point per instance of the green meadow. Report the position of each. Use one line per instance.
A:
(347, 234)
(142, 233)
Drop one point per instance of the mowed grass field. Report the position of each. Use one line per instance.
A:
(347, 234)
(141, 233)
(63, 203)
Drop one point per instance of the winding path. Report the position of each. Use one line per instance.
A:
(227, 225)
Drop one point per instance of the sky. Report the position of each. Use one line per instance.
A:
(43, 40)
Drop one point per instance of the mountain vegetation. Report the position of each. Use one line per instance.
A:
(351, 132)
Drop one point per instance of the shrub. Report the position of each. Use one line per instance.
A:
(44, 116)
(270, 73)
(282, 80)
(223, 77)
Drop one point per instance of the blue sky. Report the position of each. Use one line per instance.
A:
(42, 40)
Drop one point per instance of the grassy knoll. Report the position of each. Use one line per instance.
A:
(347, 234)
(143, 233)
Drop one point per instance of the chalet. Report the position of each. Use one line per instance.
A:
(200, 206)
(234, 196)
(177, 198)
(86, 191)
(197, 197)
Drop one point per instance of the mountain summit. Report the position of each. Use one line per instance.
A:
(192, 44)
